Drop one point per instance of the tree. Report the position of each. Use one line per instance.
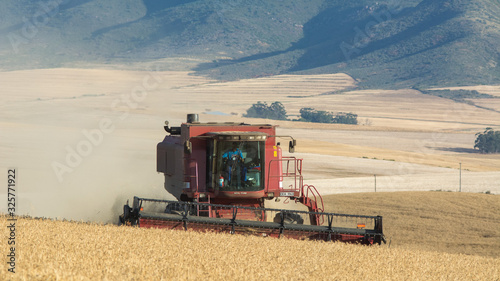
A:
(346, 118)
(278, 111)
(488, 141)
(257, 110)
(308, 114)
(275, 111)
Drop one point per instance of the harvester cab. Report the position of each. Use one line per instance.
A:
(226, 162)
(222, 173)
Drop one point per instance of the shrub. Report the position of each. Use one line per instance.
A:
(457, 95)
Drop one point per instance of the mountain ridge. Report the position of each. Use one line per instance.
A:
(384, 44)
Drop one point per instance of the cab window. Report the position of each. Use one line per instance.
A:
(240, 165)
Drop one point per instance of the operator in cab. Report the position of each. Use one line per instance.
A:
(233, 161)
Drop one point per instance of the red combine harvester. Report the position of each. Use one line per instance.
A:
(222, 174)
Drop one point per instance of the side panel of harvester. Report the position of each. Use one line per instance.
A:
(170, 162)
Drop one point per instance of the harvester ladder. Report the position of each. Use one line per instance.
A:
(313, 200)
(199, 209)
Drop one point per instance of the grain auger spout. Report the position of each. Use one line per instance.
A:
(222, 174)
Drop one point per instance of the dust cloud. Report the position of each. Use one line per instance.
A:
(95, 187)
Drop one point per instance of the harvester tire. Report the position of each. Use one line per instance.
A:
(289, 218)
(176, 208)
(121, 221)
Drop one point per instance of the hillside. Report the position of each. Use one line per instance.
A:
(384, 45)
(380, 43)
(139, 30)
(48, 250)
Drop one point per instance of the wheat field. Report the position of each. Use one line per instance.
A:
(57, 250)
(64, 250)
(451, 222)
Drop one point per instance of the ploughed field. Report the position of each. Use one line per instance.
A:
(455, 237)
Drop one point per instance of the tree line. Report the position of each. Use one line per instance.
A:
(277, 111)
(486, 142)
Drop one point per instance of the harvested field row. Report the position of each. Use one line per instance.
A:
(451, 222)
(476, 163)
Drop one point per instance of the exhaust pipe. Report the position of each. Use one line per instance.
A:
(193, 118)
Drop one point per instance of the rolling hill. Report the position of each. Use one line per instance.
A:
(380, 43)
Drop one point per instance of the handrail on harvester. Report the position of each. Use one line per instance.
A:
(294, 172)
(316, 195)
(316, 205)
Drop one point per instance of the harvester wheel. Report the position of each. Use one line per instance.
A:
(173, 208)
(121, 220)
(127, 218)
(177, 208)
(289, 218)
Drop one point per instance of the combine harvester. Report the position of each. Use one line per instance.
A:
(222, 174)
